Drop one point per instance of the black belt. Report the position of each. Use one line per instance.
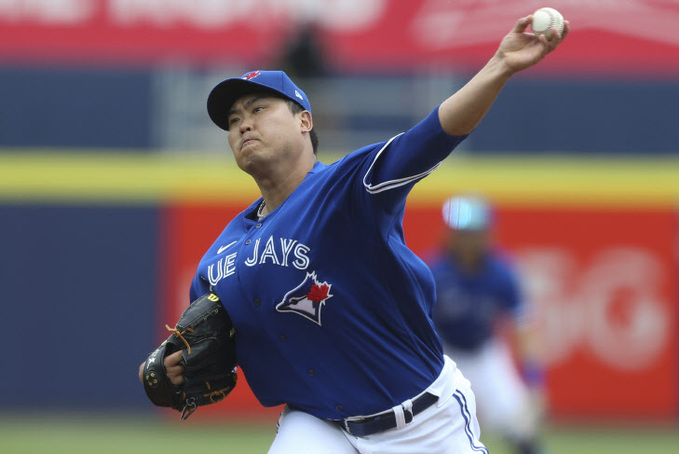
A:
(386, 420)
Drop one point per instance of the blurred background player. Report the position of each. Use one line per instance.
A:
(484, 324)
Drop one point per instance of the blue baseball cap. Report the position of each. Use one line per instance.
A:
(225, 93)
(467, 213)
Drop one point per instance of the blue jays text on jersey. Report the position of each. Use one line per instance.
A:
(284, 252)
(469, 304)
(332, 311)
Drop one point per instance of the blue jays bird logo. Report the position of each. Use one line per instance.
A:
(307, 299)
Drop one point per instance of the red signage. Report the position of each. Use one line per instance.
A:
(632, 36)
(603, 283)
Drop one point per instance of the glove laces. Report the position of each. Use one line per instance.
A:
(180, 335)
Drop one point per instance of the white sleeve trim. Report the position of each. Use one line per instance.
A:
(391, 184)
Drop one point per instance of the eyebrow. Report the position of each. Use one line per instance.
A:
(246, 104)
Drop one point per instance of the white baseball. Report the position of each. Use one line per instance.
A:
(546, 19)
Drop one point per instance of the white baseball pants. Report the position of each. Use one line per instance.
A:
(447, 427)
(502, 397)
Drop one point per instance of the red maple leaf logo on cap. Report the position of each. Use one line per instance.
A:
(251, 75)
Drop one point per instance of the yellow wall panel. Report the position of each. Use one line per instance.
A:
(56, 177)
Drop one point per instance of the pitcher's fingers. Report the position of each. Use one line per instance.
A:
(522, 24)
(173, 359)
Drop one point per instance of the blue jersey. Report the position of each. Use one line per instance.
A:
(469, 304)
(332, 311)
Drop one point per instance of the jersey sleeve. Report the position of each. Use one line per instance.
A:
(375, 181)
(410, 156)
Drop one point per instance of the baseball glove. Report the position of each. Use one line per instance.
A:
(205, 335)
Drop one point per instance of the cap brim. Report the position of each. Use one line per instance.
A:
(222, 97)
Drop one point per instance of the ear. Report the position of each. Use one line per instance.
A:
(306, 122)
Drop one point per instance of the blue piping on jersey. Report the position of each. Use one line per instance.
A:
(391, 184)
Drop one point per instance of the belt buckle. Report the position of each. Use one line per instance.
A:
(351, 419)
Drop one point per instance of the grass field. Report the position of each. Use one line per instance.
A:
(97, 434)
